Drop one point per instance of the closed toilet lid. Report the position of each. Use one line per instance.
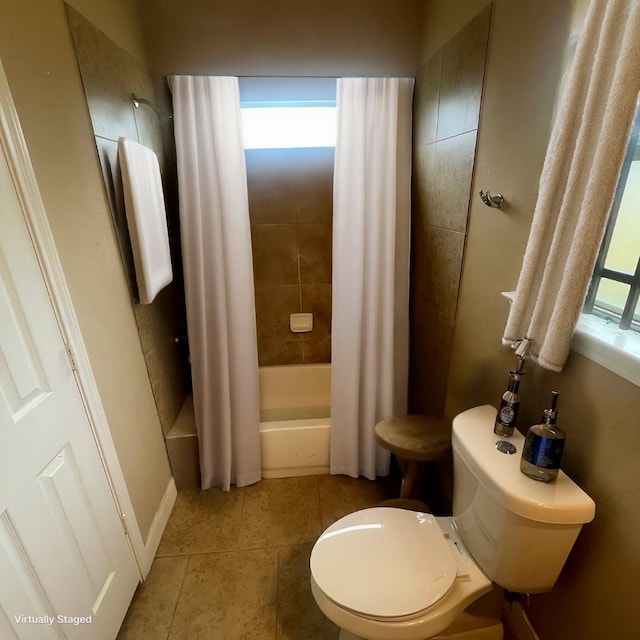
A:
(384, 562)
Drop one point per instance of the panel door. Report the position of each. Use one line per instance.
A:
(66, 568)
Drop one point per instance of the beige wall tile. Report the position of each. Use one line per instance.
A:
(275, 254)
(274, 305)
(270, 186)
(316, 299)
(423, 176)
(448, 181)
(105, 70)
(293, 186)
(314, 247)
(280, 352)
(314, 186)
(425, 101)
(436, 266)
(317, 351)
(109, 76)
(452, 81)
(431, 339)
(463, 61)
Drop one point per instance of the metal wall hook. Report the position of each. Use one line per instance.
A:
(495, 201)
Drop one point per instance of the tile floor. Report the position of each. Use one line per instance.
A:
(235, 566)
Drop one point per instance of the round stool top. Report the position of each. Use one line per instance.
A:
(414, 437)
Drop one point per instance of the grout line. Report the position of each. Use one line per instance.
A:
(244, 493)
(277, 550)
(175, 608)
(319, 505)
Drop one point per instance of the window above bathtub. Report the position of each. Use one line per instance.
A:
(288, 113)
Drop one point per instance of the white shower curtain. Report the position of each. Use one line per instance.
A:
(218, 274)
(371, 229)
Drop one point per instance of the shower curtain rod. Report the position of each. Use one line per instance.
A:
(137, 101)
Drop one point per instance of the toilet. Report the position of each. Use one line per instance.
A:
(392, 574)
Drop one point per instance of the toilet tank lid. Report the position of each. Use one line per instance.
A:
(558, 502)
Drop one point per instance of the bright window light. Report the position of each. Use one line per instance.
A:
(288, 127)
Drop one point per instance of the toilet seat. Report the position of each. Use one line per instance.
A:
(356, 559)
(422, 616)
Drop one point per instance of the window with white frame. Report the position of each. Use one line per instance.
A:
(615, 287)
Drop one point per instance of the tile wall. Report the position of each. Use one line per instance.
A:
(109, 76)
(446, 110)
(291, 211)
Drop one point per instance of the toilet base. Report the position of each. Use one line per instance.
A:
(479, 621)
(493, 632)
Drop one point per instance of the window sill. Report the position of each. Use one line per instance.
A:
(616, 349)
(606, 344)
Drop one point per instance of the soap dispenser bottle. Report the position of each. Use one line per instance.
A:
(543, 446)
(509, 404)
(510, 401)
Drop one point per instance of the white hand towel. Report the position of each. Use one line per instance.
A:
(146, 218)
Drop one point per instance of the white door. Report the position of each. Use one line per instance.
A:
(66, 568)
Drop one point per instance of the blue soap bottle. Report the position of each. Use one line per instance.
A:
(543, 446)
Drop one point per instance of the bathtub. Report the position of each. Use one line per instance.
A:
(294, 420)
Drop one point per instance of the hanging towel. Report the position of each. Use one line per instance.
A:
(578, 181)
(146, 218)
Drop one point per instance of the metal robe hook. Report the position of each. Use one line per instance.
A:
(494, 201)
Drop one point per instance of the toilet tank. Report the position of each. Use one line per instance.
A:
(520, 531)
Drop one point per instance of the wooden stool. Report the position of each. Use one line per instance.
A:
(415, 440)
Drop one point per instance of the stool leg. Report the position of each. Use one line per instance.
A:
(413, 471)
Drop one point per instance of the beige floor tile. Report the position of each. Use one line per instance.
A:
(298, 615)
(202, 522)
(280, 512)
(144, 632)
(228, 596)
(150, 614)
(341, 495)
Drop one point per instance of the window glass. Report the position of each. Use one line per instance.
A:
(612, 296)
(615, 286)
(288, 127)
(625, 243)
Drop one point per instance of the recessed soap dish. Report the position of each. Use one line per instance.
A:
(301, 322)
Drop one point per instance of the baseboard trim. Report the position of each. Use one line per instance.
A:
(518, 621)
(158, 526)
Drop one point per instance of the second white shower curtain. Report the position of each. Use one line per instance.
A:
(371, 230)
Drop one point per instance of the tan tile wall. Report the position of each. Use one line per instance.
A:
(291, 210)
(109, 76)
(446, 111)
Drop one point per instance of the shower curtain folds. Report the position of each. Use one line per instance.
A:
(218, 274)
(371, 230)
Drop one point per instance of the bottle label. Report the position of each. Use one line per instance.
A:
(507, 413)
(542, 452)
